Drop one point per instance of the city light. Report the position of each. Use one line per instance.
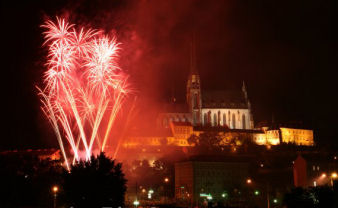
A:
(166, 179)
(55, 189)
(275, 201)
(248, 181)
(323, 175)
(136, 203)
(150, 192)
(256, 192)
(334, 175)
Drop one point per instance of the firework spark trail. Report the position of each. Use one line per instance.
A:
(49, 112)
(131, 111)
(82, 84)
(116, 107)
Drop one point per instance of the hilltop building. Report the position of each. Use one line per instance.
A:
(227, 112)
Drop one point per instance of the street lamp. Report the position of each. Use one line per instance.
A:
(55, 189)
(248, 181)
(166, 179)
(136, 203)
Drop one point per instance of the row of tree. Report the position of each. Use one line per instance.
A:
(27, 181)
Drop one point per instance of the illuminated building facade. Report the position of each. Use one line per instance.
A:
(178, 133)
(227, 112)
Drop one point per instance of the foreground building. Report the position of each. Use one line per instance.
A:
(197, 182)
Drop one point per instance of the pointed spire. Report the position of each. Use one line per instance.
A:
(193, 69)
(243, 86)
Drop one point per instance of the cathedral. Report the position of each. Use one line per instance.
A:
(227, 112)
(229, 108)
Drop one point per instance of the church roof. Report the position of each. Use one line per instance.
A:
(224, 99)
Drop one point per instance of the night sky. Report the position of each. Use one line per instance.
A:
(285, 51)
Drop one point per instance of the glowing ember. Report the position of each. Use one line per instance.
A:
(83, 85)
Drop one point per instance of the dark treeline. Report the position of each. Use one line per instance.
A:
(27, 181)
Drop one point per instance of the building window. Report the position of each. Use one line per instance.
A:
(233, 121)
(219, 118)
(195, 101)
(224, 120)
(209, 117)
(205, 119)
(243, 121)
(215, 119)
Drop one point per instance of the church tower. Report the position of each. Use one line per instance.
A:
(194, 98)
(251, 121)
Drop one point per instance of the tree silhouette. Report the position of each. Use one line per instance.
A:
(206, 142)
(95, 183)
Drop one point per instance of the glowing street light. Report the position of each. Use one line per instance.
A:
(256, 192)
(275, 201)
(55, 189)
(248, 181)
(166, 179)
(323, 175)
(334, 175)
(136, 203)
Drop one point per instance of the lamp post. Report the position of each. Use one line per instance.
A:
(55, 189)
(166, 181)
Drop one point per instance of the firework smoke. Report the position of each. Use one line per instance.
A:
(83, 85)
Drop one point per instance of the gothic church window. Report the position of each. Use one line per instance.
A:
(209, 117)
(233, 121)
(243, 122)
(224, 120)
(205, 119)
(215, 119)
(195, 101)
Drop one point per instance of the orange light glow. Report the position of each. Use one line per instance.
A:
(55, 189)
(323, 175)
(334, 175)
(248, 181)
(166, 179)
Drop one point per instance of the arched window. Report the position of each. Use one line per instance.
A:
(195, 101)
(224, 120)
(233, 121)
(243, 121)
(215, 119)
(218, 118)
(209, 118)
